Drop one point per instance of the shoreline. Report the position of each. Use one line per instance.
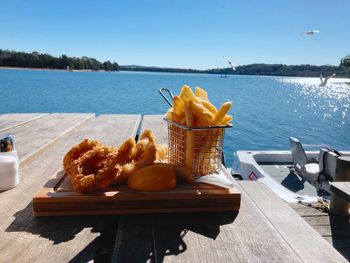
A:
(166, 72)
(52, 69)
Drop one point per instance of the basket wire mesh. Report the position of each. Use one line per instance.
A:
(197, 148)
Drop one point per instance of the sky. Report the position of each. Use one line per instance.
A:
(180, 33)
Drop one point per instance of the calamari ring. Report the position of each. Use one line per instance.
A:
(76, 152)
(95, 170)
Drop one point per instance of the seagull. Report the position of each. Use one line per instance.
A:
(324, 80)
(311, 32)
(230, 62)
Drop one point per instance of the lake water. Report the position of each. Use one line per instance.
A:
(266, 110)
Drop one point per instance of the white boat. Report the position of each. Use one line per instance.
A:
(286, 175)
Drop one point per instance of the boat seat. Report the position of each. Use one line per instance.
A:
(325, 169)
(328, 164)
(309, 171)
(312, 168)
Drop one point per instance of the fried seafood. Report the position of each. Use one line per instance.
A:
(162, 149)
(162, 152)
(95, 170)
(128, 169)
(125, 151)
(93, 166)
(144, 154)
(76, 152)
(148, 134)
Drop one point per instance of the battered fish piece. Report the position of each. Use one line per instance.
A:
(162, 149)
(125, 151)
(144, 154)
(148, 134)
(124, 158)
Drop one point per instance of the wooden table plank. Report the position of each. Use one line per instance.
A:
(342, 189)
(157, 125)
(301, 237)
(35, 136)
(24, 238)
(12, 120)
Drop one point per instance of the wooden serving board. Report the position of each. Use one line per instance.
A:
(57, 198)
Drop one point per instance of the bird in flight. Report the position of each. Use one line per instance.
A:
(324, 80)
(230, 62)
(311, 32)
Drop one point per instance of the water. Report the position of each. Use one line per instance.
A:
(266, 110)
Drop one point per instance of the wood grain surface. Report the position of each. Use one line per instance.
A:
(301, 237)
(39, 134)
(157, 125)
(11, 120)
(25, 238)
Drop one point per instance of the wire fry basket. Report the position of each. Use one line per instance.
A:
(199, 149)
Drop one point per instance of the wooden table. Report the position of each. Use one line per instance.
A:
(265, 230)
(342, 189)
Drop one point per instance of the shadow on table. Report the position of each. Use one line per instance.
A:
(60, 229)
(153, 237)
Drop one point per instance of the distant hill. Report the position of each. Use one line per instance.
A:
(254, 69)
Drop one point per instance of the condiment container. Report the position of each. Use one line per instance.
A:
(9, 164)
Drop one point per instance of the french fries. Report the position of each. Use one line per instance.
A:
(204, 113)
(219, 116)
(189, 138)
(199, 148)
(208, 105)
(205, 119)
(201, 93)
(187, 94)
(226, 120)
(179, 106)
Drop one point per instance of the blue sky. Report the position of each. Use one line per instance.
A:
(181, 33)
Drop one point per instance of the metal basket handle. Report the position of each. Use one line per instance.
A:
(162, 92)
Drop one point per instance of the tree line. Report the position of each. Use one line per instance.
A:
(37, 60)
(284, 70)
(257, 69)
(262, 69)
(45, 61)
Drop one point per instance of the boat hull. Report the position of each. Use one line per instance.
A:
(276, 170)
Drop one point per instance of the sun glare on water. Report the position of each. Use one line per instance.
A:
(332, 101)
